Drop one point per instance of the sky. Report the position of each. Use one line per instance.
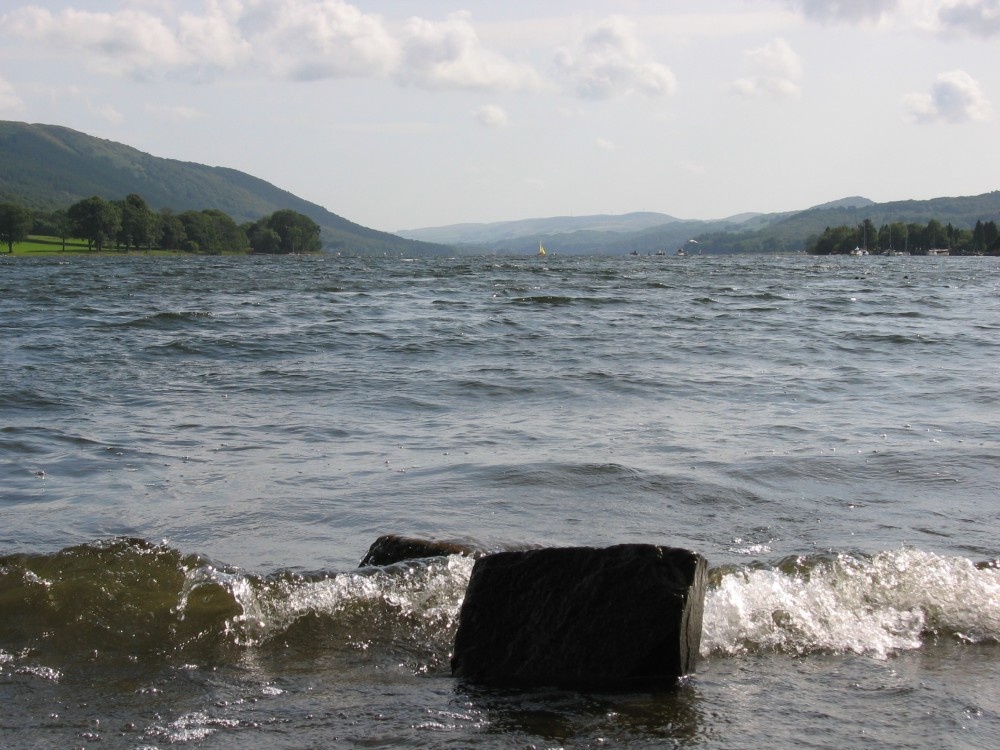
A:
(401, 114)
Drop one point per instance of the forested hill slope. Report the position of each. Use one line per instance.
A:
(47, 167)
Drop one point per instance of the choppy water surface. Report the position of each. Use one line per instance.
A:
(195, 453)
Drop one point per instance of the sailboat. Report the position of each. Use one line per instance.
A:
(541, 251)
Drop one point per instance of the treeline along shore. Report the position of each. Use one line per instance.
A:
(934, 238)
(95, 224)
(131, 225)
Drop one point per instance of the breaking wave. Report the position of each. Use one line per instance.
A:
(130, 599)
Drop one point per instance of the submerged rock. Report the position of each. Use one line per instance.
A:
(578, 616)
(392, 548)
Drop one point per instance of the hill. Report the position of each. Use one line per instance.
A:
(648, 233)
(502, 231)
(792, 232)
(48, 167)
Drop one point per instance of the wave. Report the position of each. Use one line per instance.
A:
(873, 605)
(128, 600)
(168, 320)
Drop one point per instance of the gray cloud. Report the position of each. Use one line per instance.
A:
(974, 17)
(850, 11)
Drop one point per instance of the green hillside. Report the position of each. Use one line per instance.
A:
(47, 167)
(792, 232)
(651, 233)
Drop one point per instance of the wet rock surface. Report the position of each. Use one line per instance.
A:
(610, 617)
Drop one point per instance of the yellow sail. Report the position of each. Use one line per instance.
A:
(541, 250)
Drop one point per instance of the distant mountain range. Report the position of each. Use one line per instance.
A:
(48, 167)
(648, 233)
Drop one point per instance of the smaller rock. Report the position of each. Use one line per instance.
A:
(392, 548)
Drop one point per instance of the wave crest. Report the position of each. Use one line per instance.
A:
(873, 605)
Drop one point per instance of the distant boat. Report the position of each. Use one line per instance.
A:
(634, 252)
(541, 251)
(681, 252)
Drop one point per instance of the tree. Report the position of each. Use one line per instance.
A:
(835, 241)
(899, 237)
(935, 235)
(263, 239)
(199, 233)
(62, 226)
(137, 222)
(285, 231)
(170, 230)
(867, 234)
(992, 238)
(95, 220)
(231, 237)
(15, 223)
(212, 232)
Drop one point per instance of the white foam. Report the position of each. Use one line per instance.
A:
(875, 606)
(428, 593)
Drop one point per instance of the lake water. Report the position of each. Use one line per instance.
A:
(195, 453)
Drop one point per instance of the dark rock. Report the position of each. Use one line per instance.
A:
(616, 617)
(391, 548)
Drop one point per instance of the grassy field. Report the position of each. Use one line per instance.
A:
(39, 245)
(46, 245)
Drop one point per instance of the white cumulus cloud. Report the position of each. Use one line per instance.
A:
(611, 61)
(214, 39)
(776, 71)
(301, 40)
(491, 116)
(954, 97)
(131, 42)
(316, 39)
(450, 55)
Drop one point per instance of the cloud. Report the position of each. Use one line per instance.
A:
(131, 42)
(449, 55)
(610, 61)
(605, 145)
(954, 97)
(300, 40)
(308, 40)
(974, 17)
(214, 40)
(491, 116)
(849, 11)
(9, 100)
(776, 71)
